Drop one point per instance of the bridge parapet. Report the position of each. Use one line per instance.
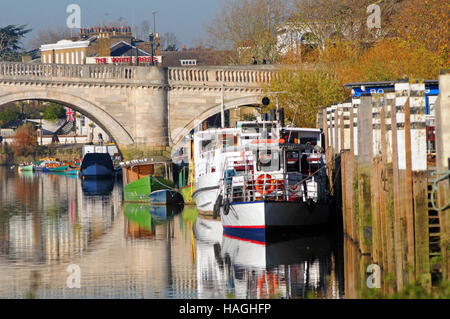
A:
(20, 70)
(215, 76)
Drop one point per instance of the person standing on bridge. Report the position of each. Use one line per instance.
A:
(254, 60)
(100, 139)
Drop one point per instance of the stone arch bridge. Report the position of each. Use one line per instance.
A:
(151, 106)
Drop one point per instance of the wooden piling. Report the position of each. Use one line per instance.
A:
(408, 195)
(364, 172)
(442, 195)
(381, 148)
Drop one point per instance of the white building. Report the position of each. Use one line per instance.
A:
(65, 52)
(292, 36)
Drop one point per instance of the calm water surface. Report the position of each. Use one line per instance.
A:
(50, 221)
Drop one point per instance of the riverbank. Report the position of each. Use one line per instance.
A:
(62, 152)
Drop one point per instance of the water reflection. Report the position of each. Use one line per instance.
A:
(124, 250)
(286, 267)
(97, 186)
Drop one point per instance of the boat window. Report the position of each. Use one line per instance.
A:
(268, 160)
(293, 161)
(291, 137)
(311, 140)
(206, 145)
(251, 128)
(226, 140)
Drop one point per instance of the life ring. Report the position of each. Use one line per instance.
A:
(259, 184)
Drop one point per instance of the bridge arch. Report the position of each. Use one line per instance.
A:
(114, 129)
(178, 134)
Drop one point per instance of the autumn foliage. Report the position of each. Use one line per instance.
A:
(414, 46)
(25, 141)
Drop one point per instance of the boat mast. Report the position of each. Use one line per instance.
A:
(222, 109)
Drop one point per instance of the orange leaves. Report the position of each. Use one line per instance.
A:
(25, 140)
(425, 23)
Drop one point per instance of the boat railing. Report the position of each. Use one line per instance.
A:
(263, 186)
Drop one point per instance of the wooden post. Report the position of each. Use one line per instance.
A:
(352, 170)
(420, 230)
(386, 195)
(396, 190)
(408, 196)
(442, 109)
(364, 174)
(377, 100)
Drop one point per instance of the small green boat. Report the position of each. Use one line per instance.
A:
(72, 172)
(58, 169)
(139, 191)
(26, 168)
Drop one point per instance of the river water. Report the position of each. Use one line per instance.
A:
(61, 237)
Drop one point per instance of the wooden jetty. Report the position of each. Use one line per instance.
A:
(383, 160)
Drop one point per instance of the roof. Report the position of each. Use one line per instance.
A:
(380, 84)
(202, 56)
(65, 44)
(120, 48)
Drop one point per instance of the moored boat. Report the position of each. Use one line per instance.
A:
(140, 190)
(166, 197)
(72, 171)
(97, 165)
(140, 180)
(261, 176)
(26, 168)
(61, 168)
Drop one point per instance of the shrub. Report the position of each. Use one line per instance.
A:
(25, 141)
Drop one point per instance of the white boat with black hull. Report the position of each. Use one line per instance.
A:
(261, 176)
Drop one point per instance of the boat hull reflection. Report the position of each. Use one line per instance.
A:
(163, 212)
(284, 266)
(97, 186)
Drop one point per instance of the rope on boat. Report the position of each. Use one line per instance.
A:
(445, 175)
(169, 187)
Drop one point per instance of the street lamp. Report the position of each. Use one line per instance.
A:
(41, 114)
(152, 39)
(135, 42)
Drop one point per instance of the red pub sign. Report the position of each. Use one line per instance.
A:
(120, 60)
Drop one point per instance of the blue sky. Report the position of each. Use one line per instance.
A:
(186, 19)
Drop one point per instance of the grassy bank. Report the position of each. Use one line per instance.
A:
(61, 152)
(140, 152)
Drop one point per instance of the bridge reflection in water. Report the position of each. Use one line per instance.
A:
(48, 222)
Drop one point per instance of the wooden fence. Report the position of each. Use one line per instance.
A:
(381, 167)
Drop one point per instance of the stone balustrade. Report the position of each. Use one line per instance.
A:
(27, 70)
(239, 76)
(252, 76)
(153, 106)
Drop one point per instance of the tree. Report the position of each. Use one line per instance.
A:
(142, 31)
(341, 20)
(424, 23)
(248, 27)
(10, 41)
(48, 36)
(307, 89)
(8, 115)
(25, 140)
(169, 42)
(54, 112)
